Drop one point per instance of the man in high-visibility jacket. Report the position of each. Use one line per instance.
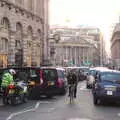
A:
(7, 79)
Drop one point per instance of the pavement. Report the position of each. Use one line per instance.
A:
(59, 108)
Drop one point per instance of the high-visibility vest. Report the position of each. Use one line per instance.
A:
(6, 79)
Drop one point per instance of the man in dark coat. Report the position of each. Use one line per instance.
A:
(72, 80)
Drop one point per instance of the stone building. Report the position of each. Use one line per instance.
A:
(23, 32)
(115, 46)
(76, 46)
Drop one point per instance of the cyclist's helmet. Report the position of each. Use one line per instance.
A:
(12, 71)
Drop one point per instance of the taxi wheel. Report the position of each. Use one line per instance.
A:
(63, 91)
(5, 101)
(25, 98)
(49, 96)
(34, 95)
(96, 100)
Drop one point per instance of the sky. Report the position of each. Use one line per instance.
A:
(97, 13)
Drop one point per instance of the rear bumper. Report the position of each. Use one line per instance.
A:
(103, 96)
(48, 90)
(109, 98)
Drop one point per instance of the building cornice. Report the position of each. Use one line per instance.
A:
(72, 45)
(22, 9)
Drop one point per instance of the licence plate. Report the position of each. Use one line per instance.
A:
(11, 91)
(109, 92)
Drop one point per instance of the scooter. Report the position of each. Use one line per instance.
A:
(16, 93)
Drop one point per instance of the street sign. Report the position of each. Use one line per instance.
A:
(70, 62)
(87, 63)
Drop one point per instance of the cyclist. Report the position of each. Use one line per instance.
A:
(72, 80)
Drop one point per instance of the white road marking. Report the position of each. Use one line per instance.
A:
(83, 88)
(37, 105)
(51, 109)
(24, 111)
(45, 102)
(79, 119)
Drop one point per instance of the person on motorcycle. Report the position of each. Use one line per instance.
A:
(72, 80)
(7, 79)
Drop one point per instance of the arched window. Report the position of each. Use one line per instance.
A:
(5, 23)
(19, 35)
(4, 44)
(30, 32)
(30, 35)
(39, 34)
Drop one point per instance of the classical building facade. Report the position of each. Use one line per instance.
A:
(23, 32)
(115, 46)
(75, 46)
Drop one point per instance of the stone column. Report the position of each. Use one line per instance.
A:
(11, 52)
(35, 6)
(83, 54)
(34, 50)
(38, 52)
(71, 53)
(67, 53)
(25, 49)
(75, 55)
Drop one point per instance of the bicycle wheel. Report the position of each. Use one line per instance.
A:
(71, 95)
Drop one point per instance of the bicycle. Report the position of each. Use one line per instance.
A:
(71, 93)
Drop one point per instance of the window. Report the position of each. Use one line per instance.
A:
(17, 43)
(5, 23)
(4, 44)
(33, 73)
(110, 76)
(60, 74)
(49, 74)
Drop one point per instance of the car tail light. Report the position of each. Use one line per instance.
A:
(59, 82)
(11, 86)
(41, 78)
(31, 83)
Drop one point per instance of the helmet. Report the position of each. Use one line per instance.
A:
(12, 71)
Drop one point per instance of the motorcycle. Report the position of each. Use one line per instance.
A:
(16, 93)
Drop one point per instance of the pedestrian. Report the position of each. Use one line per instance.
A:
(75, 82)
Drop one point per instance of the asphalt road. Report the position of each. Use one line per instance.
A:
(59, 108)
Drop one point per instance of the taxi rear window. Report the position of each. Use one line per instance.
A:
(50, 74)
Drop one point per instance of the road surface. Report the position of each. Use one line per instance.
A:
(59, 108)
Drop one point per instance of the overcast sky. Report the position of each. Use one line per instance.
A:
(100, 13)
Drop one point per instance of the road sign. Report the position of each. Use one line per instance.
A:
(87, 63)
